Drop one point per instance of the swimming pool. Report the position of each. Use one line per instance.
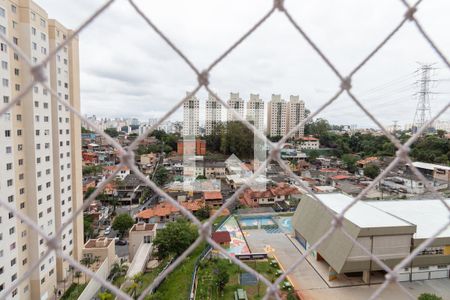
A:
(256, 221)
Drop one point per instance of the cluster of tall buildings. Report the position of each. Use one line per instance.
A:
(40, 151)
(282, 115)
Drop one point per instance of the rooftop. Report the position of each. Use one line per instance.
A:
(221, 237)
(361, 213)
(428, 215)
(428, 166)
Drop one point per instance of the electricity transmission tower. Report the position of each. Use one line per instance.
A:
(423, 109)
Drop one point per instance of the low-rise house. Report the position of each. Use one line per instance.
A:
(88, 183)
(222, 238)
(366, 161)
(166, 212)
(191, 147)
(270, 196)
(123, 172)
(140, 233)
(215, 169)
(437, 172)
(309, 143)
(213, 199)
(101, 248)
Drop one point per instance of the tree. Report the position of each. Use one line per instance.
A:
(78, 276)
(88, 228)
(350, 162)
(428, 296)
(105, 296)
(89, 191)
(371, 171)
(136, 282)
(176, 237)
(221, 277)
(112, 132)
(161, 176)
(313, 155)
(201, 177)
(119, 269)
(122, 223)
(318, 127)
(203, 213)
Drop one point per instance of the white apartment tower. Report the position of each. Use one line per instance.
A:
(237, 104)
(276, 116)
(295, 115)
(40, 152)
(213, 114)
(191, 116)
(255, 111)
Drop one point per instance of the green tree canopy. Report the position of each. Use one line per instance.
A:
(122, 223)
(176, 237)
(112, 132)
(350, 162)
(371, 171)
(161, 176)
(428, 296)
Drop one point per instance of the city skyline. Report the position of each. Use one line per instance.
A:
(256, 66)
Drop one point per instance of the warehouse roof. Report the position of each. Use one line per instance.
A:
(428, 215)
(428, 166)
(361, 213)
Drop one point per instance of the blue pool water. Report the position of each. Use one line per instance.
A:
(256, 221)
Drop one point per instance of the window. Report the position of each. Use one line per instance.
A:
(9, 182)
(5, 99)
(2, 29)
(13, 8)
(33, 32)
(43, 36)
(8, 166)
(3, 47)
(19, 132)
(43, 22)
(8, 149)
(15, 40)
(16, 72)
(7, 133)
(2, 12)
(5, 82)
(4, 64)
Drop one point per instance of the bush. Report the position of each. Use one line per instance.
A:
(428, 296)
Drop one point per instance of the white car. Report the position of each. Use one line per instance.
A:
(108, 230)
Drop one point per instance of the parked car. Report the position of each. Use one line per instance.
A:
(108, 230)
(121, 242)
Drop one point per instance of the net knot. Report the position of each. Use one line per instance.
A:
(410, 13)
(346, 84)
(203, 78)
(38, 73)
(279, 4)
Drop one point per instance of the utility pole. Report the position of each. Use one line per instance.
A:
(423, 109)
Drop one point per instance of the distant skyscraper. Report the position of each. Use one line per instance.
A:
(213, 114)
(255, 111)
(276, 116)
(40, 152)
(295, 115)
(237, 104)
(191, 116)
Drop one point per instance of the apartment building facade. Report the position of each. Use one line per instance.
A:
(255, 111)
(276, 116)
(213, 114)
(296, 115)
(40, 151)
(191, 109)
(237, 104)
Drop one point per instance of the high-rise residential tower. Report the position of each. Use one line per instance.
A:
(237, 104)
(295, 115)
(276, 116)
(40, 151)
(191, 116)
(213, 114)
(255, 111)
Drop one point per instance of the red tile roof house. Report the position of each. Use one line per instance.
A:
(222, 238)
(281, 192)
(213, 199)
(166, 212)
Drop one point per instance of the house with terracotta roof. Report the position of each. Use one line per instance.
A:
(213, 199)
(368, 160)
(222, 238)
(270, 196)
(166, 212)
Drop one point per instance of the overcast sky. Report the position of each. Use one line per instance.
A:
(128, 71)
